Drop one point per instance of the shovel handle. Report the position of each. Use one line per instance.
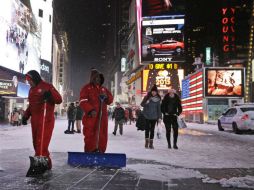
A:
(43, 125)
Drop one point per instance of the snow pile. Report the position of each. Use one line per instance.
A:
(235, 182)
(164, 172)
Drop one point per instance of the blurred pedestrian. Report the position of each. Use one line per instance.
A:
(71, 115)
(15, 117)
(41, 94)
(119, 116)
(79, 115)
(126, 115)
(171, 108)
(94, 99)
(152, 113)
(130, 114)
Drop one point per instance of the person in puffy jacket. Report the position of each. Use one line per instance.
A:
(152, 113)
(90, 96)
(79, 115)
(71, 115)
(119, 116)
(171, 108)
(41, 93)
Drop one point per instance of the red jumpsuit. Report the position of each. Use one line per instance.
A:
(89, 100)
(35, 110)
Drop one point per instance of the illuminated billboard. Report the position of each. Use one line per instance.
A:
(164, 75)
(8, 87)
(163, 39)
(224, 82)
(162, 7)
(20, 36)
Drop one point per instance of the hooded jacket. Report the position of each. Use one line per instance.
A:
(36, 109)
(90, 101)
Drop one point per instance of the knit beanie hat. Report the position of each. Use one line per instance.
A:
(154, 88)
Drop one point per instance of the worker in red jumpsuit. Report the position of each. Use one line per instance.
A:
(40, 92)
(90, 102)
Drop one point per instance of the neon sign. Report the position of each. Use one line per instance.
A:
(228, 29)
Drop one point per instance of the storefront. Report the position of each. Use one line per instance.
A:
(13, 93)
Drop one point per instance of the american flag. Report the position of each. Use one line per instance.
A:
(192, 93)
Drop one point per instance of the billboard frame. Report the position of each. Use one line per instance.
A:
(205, 84)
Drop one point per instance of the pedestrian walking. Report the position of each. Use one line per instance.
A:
(42, 95)
(15, 117)
(119, 116)
(126, 115)
(171, 108)
(79, 115)
(94, 99)
(71, 115)
(152, 113)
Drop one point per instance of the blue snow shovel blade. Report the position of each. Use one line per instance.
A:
(111, 160)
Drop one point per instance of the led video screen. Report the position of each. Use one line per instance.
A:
(224, 82)
(162, 7)
(19, 36)
(163, 39)
(164, 75)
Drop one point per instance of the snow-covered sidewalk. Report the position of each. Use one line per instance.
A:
(200, 146)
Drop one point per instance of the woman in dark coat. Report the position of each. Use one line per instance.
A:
(171, 108)
(90, 104)
(152, 112)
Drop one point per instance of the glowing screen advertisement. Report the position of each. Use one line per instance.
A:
(162, 7)
(163, 39)
(164, 75)
(224, 82)
(20, 36)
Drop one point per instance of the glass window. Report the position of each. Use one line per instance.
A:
(247, 109)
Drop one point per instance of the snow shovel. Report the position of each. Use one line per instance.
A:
(39, 164)
(111, 160)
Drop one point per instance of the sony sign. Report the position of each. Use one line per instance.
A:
(162, 59)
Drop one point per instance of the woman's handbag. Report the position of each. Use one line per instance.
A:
(181, 123)
(141, 122)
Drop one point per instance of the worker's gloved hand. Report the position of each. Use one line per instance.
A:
(92, 113)
(46, 95)
(24, 120)
(103, 97)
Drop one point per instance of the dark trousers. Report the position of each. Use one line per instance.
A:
(171, 121)
(71, 124)
(149, 130)
(120, 123)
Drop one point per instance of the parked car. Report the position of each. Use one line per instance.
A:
(239, 118)
(167, 45)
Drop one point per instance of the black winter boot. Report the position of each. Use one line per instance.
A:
(151, 144)
(147, 143)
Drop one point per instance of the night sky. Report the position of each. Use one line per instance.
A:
(84, 21)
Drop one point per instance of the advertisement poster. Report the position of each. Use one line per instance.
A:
(8, 87)
(164, 75)
(163, 39)
(224, 82)
(20, 36)
(23, 90)
(162, 7)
